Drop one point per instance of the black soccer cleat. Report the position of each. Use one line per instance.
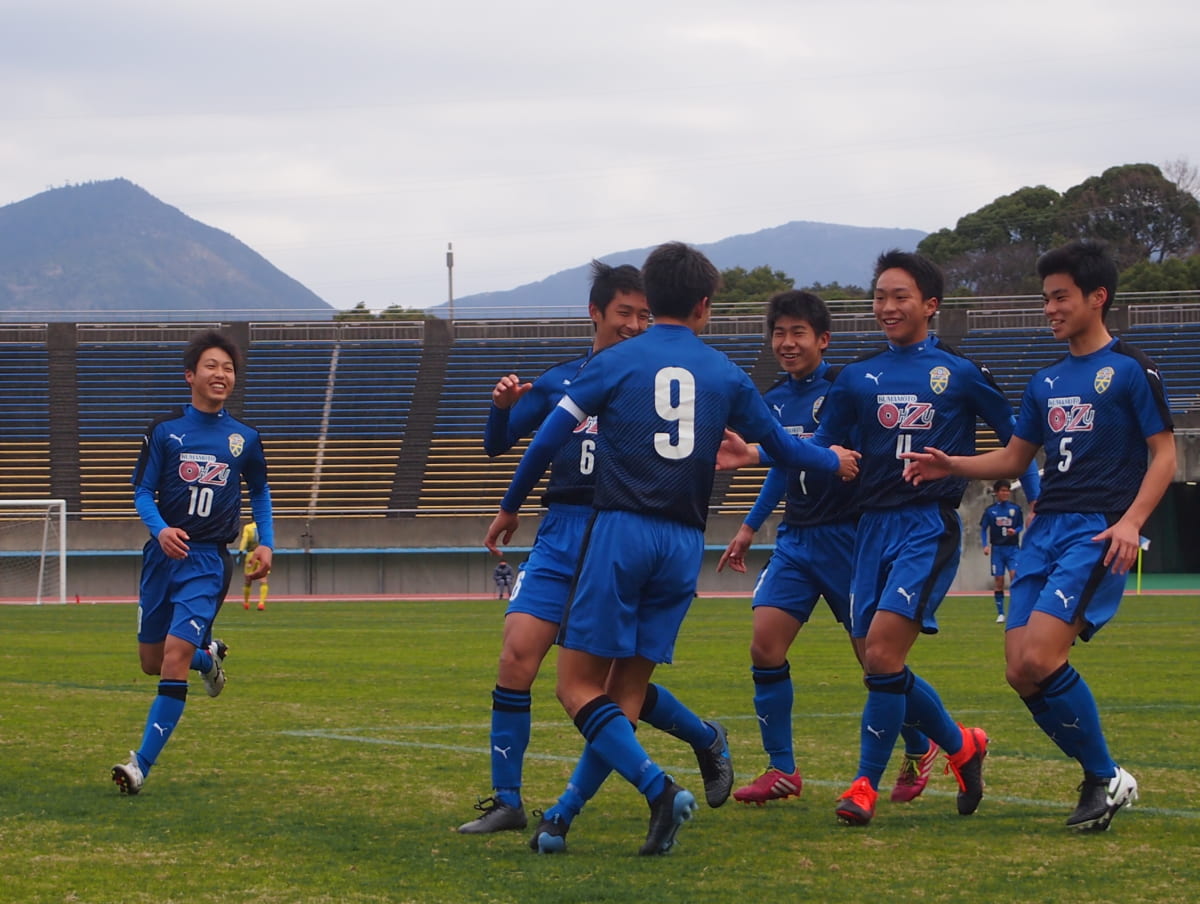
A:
(670, 810)
(716, 767)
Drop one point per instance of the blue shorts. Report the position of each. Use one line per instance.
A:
(808, 563)
(181, 597)
(1061, 572)
(637, 578)
(544, 581)
(1004, 558)
(904, 562)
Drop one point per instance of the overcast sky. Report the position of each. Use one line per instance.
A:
(348, 142)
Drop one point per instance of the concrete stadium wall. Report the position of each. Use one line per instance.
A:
(439, 555)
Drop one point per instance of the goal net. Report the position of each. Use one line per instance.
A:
(33, 550)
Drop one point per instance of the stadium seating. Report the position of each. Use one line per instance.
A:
(1176, 351)
(24, 420)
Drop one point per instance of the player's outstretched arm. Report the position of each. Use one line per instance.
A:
(734, 452)
(934, 464)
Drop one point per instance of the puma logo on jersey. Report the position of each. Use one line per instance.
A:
(875, 377)
(1050, 381)
(778, 409)
(178, 437)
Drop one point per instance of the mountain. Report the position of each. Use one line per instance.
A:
(112, 250)
(808, 252)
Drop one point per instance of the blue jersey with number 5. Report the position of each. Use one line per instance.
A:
(1093, 413)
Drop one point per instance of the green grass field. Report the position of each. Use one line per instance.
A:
(352, 738)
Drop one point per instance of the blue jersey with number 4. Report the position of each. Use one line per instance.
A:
(902, 399)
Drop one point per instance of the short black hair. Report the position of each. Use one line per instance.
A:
(202, 342)
(608, 282)
(927, 275)
(1001, 485)
(1088, 263)
(677, 277)
(803, 306)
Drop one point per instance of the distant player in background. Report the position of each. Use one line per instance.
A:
(246, 545)
(663, 400)
(502, 576)
(618, 309)
(1101, 414)
(1000, 529)
(813, 557)
(187, 490)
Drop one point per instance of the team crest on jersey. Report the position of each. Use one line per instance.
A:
(1103, 379)
(817, 409)
(939, 379)
(237, 443)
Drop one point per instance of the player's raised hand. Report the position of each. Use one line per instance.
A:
(501, 531)
(734, 452)
(932, 464)
(735, 552)
(508, 390)
(847, 462)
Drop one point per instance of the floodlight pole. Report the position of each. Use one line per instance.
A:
(450, 276)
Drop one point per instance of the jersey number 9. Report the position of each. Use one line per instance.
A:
(678, 382)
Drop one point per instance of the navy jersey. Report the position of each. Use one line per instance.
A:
(902, 399)
(1093, 413)
(813, 497)
(665, 398)
(572, 470)
(189, 475)
(1000, 524)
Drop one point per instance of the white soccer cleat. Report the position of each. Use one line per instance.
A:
(214, 678)
(128, 776)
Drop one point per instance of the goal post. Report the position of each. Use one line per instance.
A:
(33, 550)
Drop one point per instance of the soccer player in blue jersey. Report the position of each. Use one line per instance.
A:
(1101, 414)
(618, 308)
(663, 399)
(187, 490)
(914, 392)
(1000, 528)
(813, 557)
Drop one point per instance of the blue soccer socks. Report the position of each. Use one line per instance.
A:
(1066, 711)
(164, 715)
(881, 720)
(925, 711)
(662, 710)
(509, 740)
(611, 735)
(773, 699)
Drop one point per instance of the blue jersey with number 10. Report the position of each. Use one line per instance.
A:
(664, 399)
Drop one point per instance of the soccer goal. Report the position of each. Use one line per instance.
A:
(33, 550)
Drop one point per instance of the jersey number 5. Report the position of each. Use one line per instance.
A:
(677, 382)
